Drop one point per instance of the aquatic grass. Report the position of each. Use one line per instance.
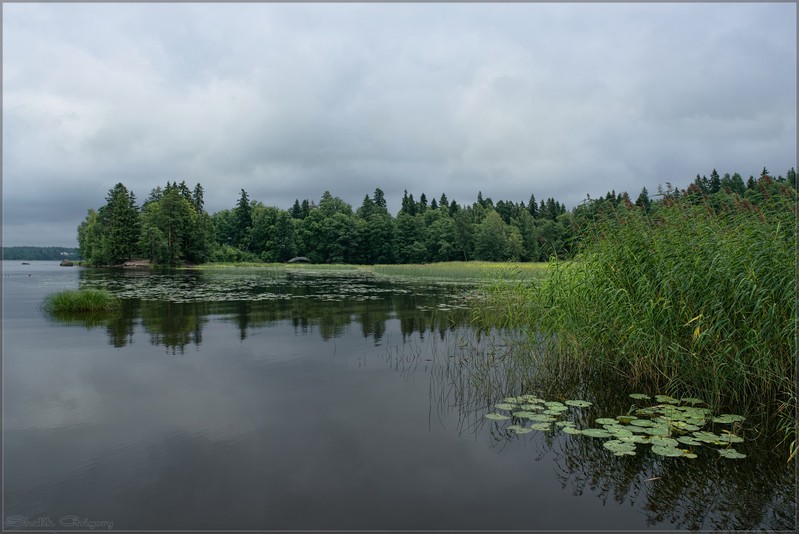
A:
(690, 300)
(471, 270)
(81, 301)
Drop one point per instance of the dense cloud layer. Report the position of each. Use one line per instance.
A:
(287, 101)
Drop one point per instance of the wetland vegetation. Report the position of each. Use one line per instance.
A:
(651, 357)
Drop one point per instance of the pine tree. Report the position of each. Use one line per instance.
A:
(243, 217)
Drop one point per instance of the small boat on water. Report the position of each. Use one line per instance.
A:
(25, 263)
(66, 263)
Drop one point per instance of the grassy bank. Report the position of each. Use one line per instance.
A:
(460, 270)
(81, 300)
(472, 270)
(688, 300)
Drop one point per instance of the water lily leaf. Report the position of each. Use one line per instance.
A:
(524, 414)
(616, 445)
(707, 437)
(578, 403)
(531, 407)
(596, 433)
(505, 406)
(626, 419)
(496, 416)
(688, 440)
(541, 418)
(522, 430)
(730, 438)
(685, 427)
(565, 423)
(572, 430)
(728, 418)
(619, 432)
(513, 400)
(640, 396)
(554, 404)
(659, 430)
(664, 450)
(692, 400)
(689, 455)
(731, 453)
(642, 422)
(635, 438)
(666, 442)
(624, 453)
(606, 421)
(514, 427)
(541, 426)
(666, 399)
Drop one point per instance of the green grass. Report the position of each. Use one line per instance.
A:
(455, 270)
(473, 270)
(81, 300)
(689, 301)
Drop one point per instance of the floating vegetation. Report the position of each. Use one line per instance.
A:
(666, 426)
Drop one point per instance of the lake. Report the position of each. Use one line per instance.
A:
(252, 399)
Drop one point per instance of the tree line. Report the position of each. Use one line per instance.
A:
(39, 253)
(171, 227)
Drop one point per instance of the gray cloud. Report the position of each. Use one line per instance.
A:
(287, 101)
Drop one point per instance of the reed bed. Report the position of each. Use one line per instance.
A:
(688, 300)
(81, 301)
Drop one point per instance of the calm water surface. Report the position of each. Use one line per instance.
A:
(250, 400)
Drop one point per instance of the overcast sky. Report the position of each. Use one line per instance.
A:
(287, 101)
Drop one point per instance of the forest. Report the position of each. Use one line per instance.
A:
(171, 227)
(39, 253)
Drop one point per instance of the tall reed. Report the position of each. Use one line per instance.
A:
(691, 300)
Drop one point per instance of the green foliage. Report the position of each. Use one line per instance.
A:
(83, 300)
(40, 253)
(694, 297)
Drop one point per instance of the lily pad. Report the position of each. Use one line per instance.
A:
(728, 418)
(615, 445)
(541, 426)
(618, 431)
(642, 422)
(514, 400)
(606, 421)
(665, 442)
(667, 399)
(522, 430)
(596, 433)
(731, 438)
(578, 403)
(626, 419)
(541, 418)
(685, 427)
(731, 453)
(496, 416)
(572, 430)
(688, 440)
(664, 450)
(524, 414)
(707, 437)
(565, 423)
(692, 400)
(640, 396)
(658, 430)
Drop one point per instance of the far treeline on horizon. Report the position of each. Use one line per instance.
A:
(171, 227)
